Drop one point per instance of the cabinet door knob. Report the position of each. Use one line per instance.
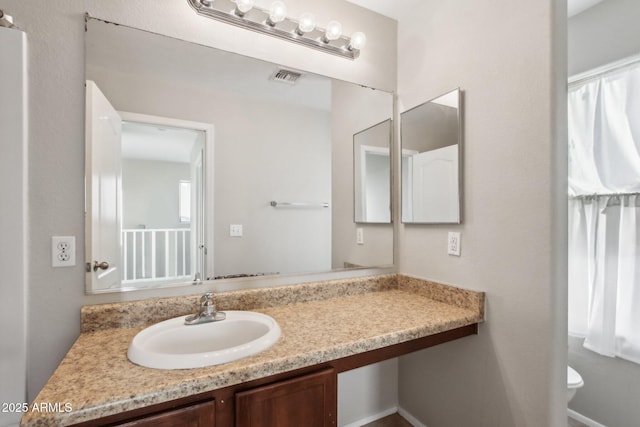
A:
(102, 265)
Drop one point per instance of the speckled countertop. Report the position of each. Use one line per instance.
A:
(320, 322)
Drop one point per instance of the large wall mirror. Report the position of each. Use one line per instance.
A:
(431, 140)
(207, 165)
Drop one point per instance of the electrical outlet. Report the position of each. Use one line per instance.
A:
(63, 251)
(359, 236)
(453, 243)
(235, 230)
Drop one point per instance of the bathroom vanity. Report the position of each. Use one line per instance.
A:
(327, 328)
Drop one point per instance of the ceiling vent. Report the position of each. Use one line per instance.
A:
(285, 76)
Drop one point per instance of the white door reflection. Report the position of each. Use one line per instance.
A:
(435, 185)
(143, 229)
(161, 244)
(431, 151)
(104, 190)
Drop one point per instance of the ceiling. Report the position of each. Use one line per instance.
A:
(391, 8)
(574, 7)
(160, 143)
(395, 8)
(120, 49)
(130, 51)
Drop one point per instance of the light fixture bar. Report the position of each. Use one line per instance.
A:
(6, 20)
(257, 20)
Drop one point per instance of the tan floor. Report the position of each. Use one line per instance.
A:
(396, 420)
(574, 423)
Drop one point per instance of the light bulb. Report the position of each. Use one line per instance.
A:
(243, 6)
(358, 40)
(277, 13)
(306, 23)
(333, 31)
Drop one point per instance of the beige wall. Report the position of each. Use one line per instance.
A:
(509, 59)
(55, 32)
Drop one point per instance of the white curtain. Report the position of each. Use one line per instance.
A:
(604, 222)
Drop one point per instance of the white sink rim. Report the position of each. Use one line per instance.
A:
(141, 350)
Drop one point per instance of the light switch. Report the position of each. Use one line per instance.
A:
(359, 236)
(235, 230)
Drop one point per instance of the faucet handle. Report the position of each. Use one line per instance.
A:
(207, 312)
(206, 304)
(206, 298)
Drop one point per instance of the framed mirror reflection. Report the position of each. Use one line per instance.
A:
(431, 141)
(202, 141)
(372, 174)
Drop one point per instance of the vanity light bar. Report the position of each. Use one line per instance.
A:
(6, 20)
(241, 13)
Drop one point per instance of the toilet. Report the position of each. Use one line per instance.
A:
(574, 382)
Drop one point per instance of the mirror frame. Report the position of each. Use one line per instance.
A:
(459, 128)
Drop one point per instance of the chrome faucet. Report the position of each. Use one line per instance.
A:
(207, 312)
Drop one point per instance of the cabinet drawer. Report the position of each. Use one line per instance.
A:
(199, 415)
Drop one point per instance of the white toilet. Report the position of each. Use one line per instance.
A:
(574, 382)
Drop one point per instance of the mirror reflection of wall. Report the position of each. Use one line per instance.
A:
(354, 109)
(431, 152)
(273, 141)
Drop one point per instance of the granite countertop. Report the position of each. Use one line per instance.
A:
(320, 322)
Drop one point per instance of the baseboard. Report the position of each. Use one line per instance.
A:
(373, 418)
(584, 420)
(412, 420)
(416, 423)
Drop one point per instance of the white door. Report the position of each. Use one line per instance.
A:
(435, 186)
(104, 191)
(198, 245)
(375, 184)
(13, 223)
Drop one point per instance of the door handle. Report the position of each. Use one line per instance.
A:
(102, 266)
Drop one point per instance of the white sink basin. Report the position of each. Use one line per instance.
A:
(173, 345)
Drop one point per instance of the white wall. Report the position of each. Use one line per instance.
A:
(606, 33)
(150, 193)
(13, 222)
(611, 390)
(56, 134)
(367, 392)
(509, 58)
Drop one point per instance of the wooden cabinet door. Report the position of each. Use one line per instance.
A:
(309, 400)
(200, 415)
